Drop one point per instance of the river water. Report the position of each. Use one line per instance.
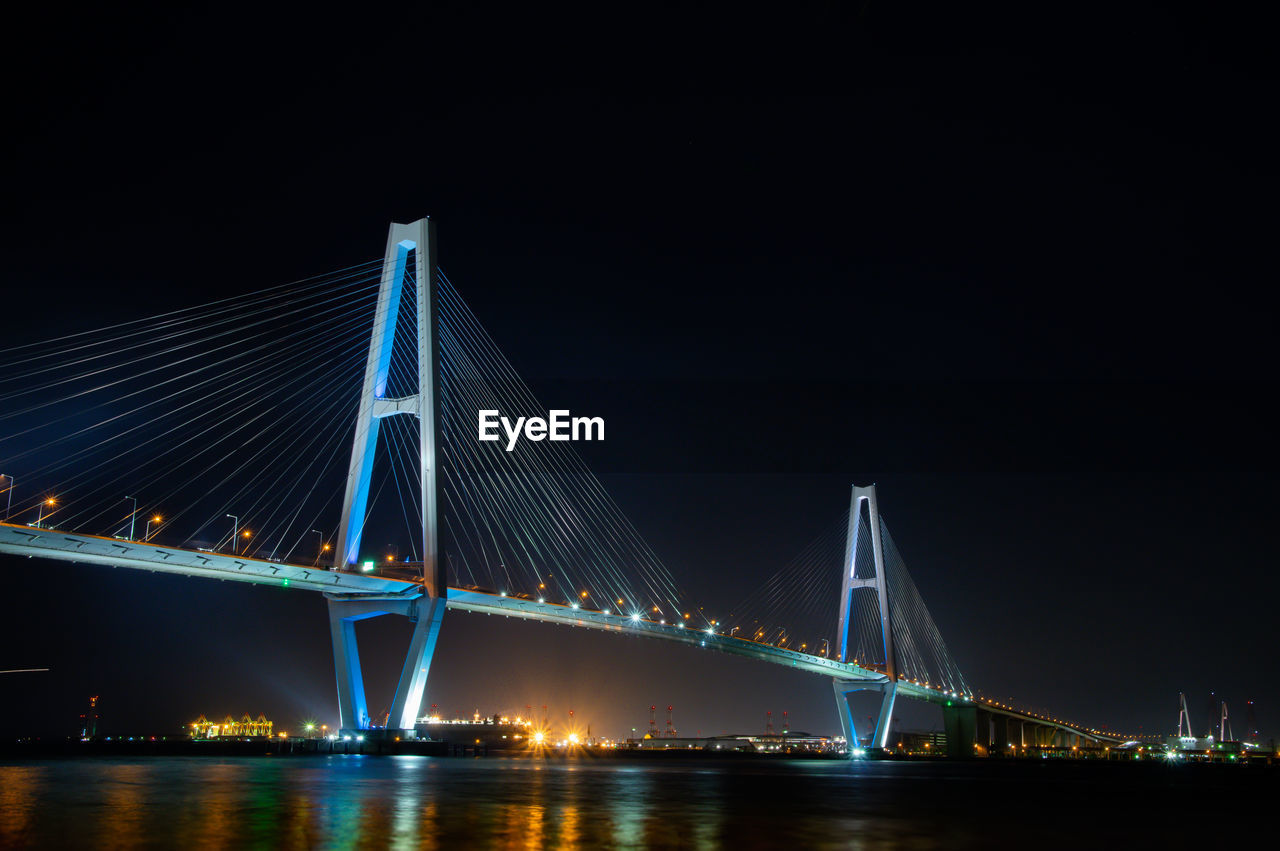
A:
(429, 802)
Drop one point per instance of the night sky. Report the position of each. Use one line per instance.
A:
(1009, 267)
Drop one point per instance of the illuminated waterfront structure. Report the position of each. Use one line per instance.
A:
(230, 728)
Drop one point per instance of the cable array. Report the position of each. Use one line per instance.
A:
(241, 407)
(798, 608)
(228, 426)
(532, 521)
(922, 655)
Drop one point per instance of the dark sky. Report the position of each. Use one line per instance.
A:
(1011, 267)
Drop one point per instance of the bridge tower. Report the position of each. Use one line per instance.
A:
(1184, 717)
(425, 607)
(887, 686)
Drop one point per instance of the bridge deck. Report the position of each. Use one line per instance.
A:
(35, 542)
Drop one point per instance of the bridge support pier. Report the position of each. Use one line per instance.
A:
(353, 709)
(888, 694)
(961, 724)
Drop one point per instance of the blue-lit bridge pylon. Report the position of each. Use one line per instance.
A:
(410, 247)
(851, 584)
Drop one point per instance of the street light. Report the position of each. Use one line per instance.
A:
(156, 519)
(132, 516)
(9, 507)
(50, 502)
(235, 531)
(246, 534)
(322, 548)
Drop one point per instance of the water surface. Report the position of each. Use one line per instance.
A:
(428, 802)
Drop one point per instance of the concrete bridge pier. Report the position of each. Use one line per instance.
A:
(1003, 736)
(961, 724)
(975, 731)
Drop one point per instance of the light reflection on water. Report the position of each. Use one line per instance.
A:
(423, 802)
(21, 786)
(124, 811)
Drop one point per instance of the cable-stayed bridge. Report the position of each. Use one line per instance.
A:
(269, 438)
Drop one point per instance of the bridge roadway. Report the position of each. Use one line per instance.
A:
(37, 542)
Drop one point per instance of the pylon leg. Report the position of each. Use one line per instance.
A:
(889, 693)
(413, 676)
(353, 712)
(846, 716)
